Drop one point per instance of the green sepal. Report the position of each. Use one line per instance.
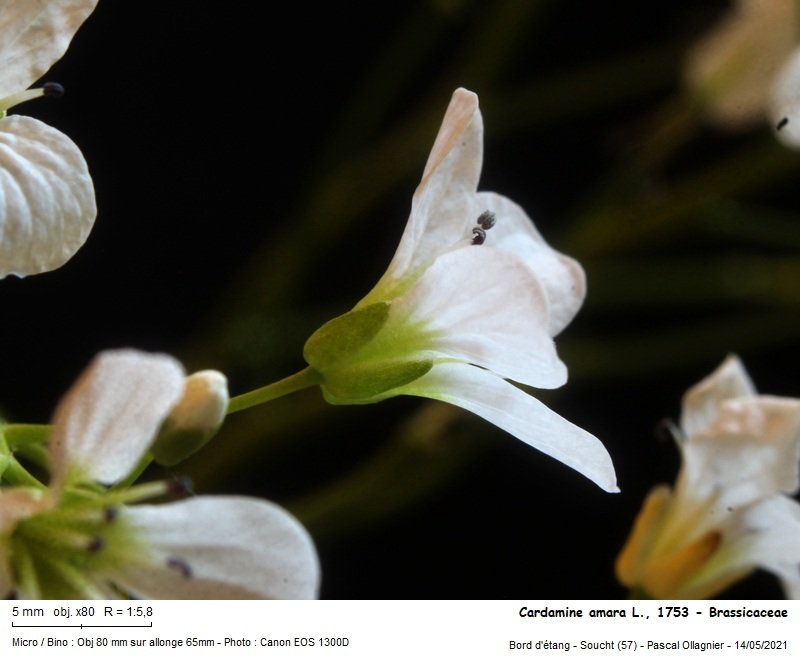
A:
(369, 381)
(340, 339)
(175, 445)
(5, 461)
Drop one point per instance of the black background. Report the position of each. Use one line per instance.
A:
(206, 124)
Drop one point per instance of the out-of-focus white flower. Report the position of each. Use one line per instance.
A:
(472, 297)
(747, 69)
(784, 104)
(79, 538)
(730, 511)
(47, 203)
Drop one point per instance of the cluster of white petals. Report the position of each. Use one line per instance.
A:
(747, 68)
(478, 313)
(731, 510)
(199, 547)
(47, 202)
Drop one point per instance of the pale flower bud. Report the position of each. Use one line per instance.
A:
(195, 419)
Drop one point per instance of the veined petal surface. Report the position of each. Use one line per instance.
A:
(47, 202)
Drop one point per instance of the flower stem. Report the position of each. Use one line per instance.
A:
(308, 377)
(17, 475)
(23, 435)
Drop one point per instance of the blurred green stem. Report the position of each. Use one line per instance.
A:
(308, 377)
(28, 441)
(23, 435)
(11, 471)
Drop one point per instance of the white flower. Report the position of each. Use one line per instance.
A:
(784, 103)
(80, 539)
(472, 297)
(747, 68)
(730, 511)
(47, 204)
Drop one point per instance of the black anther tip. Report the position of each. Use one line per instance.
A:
(53, 90)
(487, 219)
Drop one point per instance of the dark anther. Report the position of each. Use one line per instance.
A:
(487, 219)
(180, 565)
(782, 123)
(53, 90)
(96, 544)
(478, 236)
(110, 514)
(180, 486)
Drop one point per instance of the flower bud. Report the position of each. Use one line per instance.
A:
(194, 420)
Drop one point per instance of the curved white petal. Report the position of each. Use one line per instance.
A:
(701, 404)
(768, 536)
(485, 307)
(219, 548)
(441, 210)
(784, 102)
(47, 204)
(106, 421)
(562, 277)
(35, 35)
(521, 415)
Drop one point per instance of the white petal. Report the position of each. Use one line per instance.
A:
(107, 420)
(524, 417)
(35, 35)
(485, 307)
(47, 204)
(701, 403)
(770, 538)
(751, 452)
(562, 277)
(440, 210)
(220, 548)
(784, 105)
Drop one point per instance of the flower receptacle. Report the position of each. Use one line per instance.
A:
(336, 342)
(367, 383)
(365, 353)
